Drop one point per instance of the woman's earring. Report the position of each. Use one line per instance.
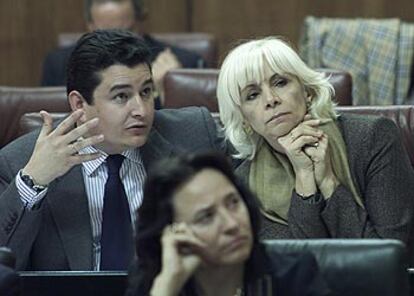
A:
(247, 128)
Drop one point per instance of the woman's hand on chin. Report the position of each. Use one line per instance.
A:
(180, 259)
(324, 176)
(294, 143)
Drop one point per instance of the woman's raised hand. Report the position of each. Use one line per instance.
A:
(306, 134)
(303, 135)
(324, 175)
(181, 256)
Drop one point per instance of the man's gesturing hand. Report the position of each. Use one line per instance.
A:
(56, 151)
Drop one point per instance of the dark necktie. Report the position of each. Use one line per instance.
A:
(116, 237)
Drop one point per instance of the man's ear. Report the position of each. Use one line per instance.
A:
(76, 100)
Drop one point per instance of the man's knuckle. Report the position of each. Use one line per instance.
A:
(54, 144)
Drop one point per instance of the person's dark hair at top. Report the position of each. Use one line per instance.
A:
(139, 8)
(99, 50)
(156, 211)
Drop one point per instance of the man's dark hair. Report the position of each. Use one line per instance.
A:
(99, 50)
(156, 212)
(139, 8)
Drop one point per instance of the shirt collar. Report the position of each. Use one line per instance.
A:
(90, 167)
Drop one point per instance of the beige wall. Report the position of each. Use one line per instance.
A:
(28, 28)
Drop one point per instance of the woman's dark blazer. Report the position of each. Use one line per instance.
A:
(382, 174)
(268, 273)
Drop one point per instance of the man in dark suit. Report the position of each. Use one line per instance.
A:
(121, 14)
(55, 183)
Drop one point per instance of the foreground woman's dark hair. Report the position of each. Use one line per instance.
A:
(156, 212)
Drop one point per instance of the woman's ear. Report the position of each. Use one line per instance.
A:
(308, 96)
(308, 99)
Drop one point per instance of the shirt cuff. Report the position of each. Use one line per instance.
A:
(28, 196)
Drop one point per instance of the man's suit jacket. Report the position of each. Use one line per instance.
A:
(54, 65)
(56, 234)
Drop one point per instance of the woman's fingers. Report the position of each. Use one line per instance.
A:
(179, 260)
(318, 153)
(188, 244)
(308, 127)
(302, 141)
(311, 122)
(304, 130)
(183, 237)
(182, 241)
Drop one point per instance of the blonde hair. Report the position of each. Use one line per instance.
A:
(244, 64)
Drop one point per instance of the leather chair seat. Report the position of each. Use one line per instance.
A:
(357, 267)
(16, 101)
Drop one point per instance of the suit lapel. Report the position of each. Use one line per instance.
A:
(69, 205)
(157, 147)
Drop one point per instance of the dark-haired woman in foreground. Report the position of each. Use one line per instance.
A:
(197, 235)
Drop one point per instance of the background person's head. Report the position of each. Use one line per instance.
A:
(113, 14)
(109, 77)
(250, 64)
(202, 192)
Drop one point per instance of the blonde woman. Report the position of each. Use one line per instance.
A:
(317, 173)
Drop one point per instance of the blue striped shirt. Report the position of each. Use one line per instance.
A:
(95, 174)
